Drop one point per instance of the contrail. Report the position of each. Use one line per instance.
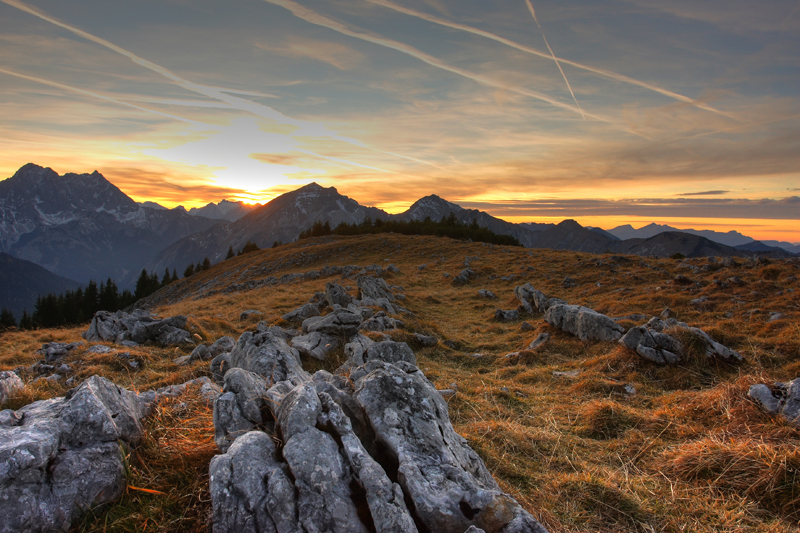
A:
(100, 96)
(600, 72)
(205, 90)
(318, 19)
(530, 7)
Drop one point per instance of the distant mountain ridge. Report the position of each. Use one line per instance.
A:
(81, 226)
(21, 282)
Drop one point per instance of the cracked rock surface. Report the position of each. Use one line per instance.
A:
(369, 449)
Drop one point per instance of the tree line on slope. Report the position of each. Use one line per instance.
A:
(448, 226)
(80, 305)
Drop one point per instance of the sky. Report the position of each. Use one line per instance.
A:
(678, 112)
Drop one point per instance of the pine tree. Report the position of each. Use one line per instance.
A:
(91, 300)
(189, 270)
(25, 322)
(109, 296)
(174, 275)
(167, 279)
(142, 285)
(7, 320)
(230, 253)
(206, 264)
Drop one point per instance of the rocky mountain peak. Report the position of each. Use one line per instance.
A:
(431, 206)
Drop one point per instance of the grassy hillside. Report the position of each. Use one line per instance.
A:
(686, 452)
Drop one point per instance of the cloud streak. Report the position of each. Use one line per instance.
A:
(600, 72)
(533, 13)
(318, 19)
(219, 94)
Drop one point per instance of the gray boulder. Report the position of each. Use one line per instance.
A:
(390, 352)
(219, 366)
(301, 313)
(356, 348)
(450, 486)
(533, 300)
(380, 322)
(316, 344)
(335, 294)
(506, 316)
(463, 277)
(53, 351)
(340, 322)
(425, 340)
(652, 345)
(10, 385)
(239, 408)
(375, 288)
(587, 324)
(62, 456)
(483, 293)
(268, 355)
(204, 352)
(712, 347)
(782, 399)
(139, 327)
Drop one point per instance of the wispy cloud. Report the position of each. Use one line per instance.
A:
(704, 193)
(533, 14)
(318, 19)
(98, 96)
(601, 72)
(335, 54)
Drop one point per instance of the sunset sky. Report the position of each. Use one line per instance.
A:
(613, 112)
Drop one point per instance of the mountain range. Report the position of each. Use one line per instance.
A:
(21, 282)
(81, 227)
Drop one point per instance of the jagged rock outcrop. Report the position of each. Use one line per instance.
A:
(587, 324)
(351, 451)
(267, 354)
(781, 399)
(62, 456)
(380, 322)
(375, 288)
(53, 351)
(340, 322)
(652, 345)
(139, 327)
(335, 294)
(531, 299)
(316, 344)
(10, 385)
(204, 353)
(303, 312)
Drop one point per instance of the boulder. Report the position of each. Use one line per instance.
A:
(249, 314)
(375, 288)
(335, 294)
(10, 385)
(139, 327)
(425, 340)
(483, 293)
(781, 399)
(240, 408)
(301, 313)
(587, 324)
(652, 345)
(341, 322)
(464, 276)
(52, 351)
(390, 352)
(268, 355)
(531, 299)
(356, 348)
(380, 322)
(506, 316)
(316, 344)
(62, 456)
(539, 341)
(219, 366)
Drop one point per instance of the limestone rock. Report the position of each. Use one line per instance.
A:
(539, 341)
(301, 313)
(390, 352)
(506, 316)
(340, 322)
(62, 456)
(782, 399)
(375, 288)
(139, 327)
(240, 408)
(587, 324)
(316, 344)
(380, 322)
(219, 366)
(425, 340)
(532, 299)
(10, 385)
(652, 345)
(483, 293)
(335, 294)
(268, 355)
(52, 351)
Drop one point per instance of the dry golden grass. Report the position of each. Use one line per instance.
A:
(687, 452)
